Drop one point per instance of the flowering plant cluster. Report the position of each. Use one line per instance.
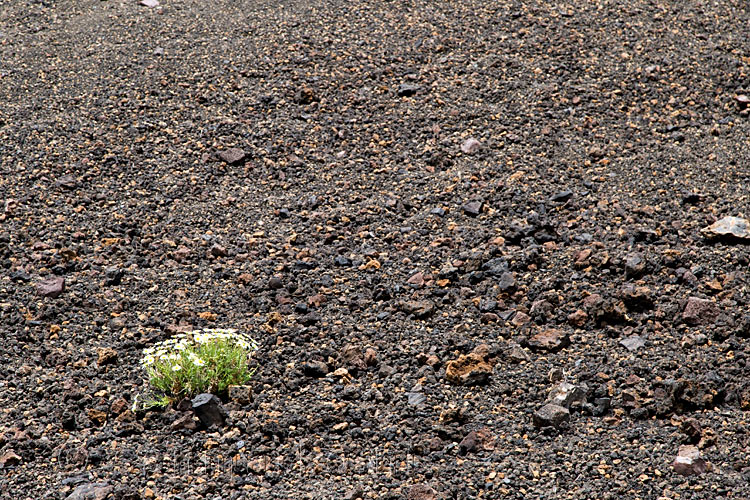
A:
(208, 360)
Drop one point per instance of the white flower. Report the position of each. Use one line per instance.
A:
(176, 368)
(148, 360)
(174, 356)
(198, 362)
(181, 346)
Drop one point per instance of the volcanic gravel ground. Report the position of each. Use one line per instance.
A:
(434, 217)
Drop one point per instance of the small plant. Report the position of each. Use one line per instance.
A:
(187, 364)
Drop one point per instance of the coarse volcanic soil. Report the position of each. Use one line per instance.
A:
(302, 170)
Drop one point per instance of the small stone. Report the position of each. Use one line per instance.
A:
(420, 309)
(342, 373)
(105, 356)
(66, 182)
(217, 250)
(472, 208)
(566, 395)
(209, 410)
(506, 282)
(635, 265)
(489, 318)
(520, 318)
(113, 276)
(432, 361)
(315, 369)
(480, 440)
(471, 146)
(416, 398)
(305, 95)
(578, 318)
(118, 406)
(636, 298)
(468, 370)
(518, 354)
(468, 444)
(91, 491)
(417, 280)
(487, 305)
(351, 357)
(181, 254)
(407, 89)
(354, 494)
(98, 417)
(495, 267)
(275, 283)
(342, 261)
(20, 275)
(453, 414)
(118, 322)
(186, 421)
(309, 319)
(9, 459)
(242, 394)
(632, 343)
(421, 492)
(689, 461)
(150, 3)
(601, 406)
(729, 228)
(51, 288)
(700, 312)
(232, 156)
(692, 429)
(562, 196)
(549, 340)
(551, 415)
(371, 357)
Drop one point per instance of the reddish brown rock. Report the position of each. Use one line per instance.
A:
(9, 459)
(371, 357)
(551, 415)
(468, 370)
(105, 356)
(520, 319)
(232, 156)
(592, 300)
(420, 309)
(700, 311)
(351, 357)
(549, 340)
(577, 318)
(181, 254)
(416, 279)
(421, 492)
(118, 406)
(96, 416)
(471, 146)
(51, 288)
(689, 461)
